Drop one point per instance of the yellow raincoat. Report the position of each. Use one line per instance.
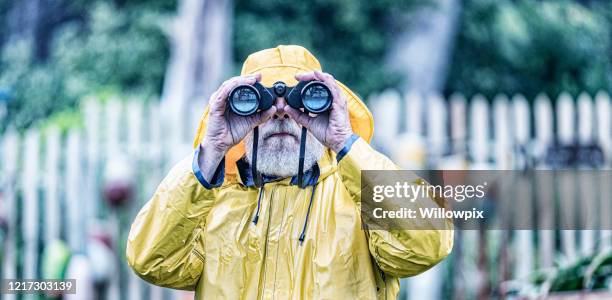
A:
(230, 240)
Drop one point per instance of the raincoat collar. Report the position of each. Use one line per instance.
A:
(311, 176)
(324, 167)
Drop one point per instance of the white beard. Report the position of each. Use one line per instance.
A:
(279, 156)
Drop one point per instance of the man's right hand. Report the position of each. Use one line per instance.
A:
(224, 129)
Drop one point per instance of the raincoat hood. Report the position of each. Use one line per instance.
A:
(282, 64)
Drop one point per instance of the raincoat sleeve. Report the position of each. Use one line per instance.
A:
(399, 253)
(166, 245)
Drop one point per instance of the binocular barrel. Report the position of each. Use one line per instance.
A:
(312, 96)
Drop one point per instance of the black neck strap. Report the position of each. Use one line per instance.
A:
(301, 182)
(257, 179)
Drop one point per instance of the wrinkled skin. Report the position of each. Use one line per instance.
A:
(331, 129)
(226, 129)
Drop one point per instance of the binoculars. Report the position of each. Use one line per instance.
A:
(313, 96)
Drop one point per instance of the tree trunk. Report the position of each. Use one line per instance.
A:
(35, 21)
(199, 61)
(422, 53)
(22, 19)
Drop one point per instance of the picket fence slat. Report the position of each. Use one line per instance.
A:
(30, 209)
(458, 123)
(521, 130)
(74, 204)
(386, 116)
(436, 127)
(51, 188)
(112, 124)
(92, 113)
(10, 153)
(134, 129)
(586, 119)
(543, 125)
(502, 133)
(565, 119)
(604, 123)
(414, 113)
(479, 130)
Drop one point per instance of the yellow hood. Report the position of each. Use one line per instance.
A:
(282, 64)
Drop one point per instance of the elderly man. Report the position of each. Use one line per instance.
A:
(209, 228)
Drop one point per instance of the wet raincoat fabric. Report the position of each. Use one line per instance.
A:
(227, 239)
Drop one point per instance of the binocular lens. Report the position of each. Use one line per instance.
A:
(316, 98)
(244, 100)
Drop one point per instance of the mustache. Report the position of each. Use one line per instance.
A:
(280, 126)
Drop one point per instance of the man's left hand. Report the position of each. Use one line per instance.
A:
(333, 128)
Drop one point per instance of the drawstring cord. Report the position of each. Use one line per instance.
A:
(257, 180)
(303, 235)
(256, 218)
(300, 174)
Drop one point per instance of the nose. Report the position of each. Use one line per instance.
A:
(280, 104)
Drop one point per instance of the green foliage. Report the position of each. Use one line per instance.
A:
(530, 47)
(34, 91)
(586, 273)
(101, 47)
(348, 37)
(115, 51)
(63, 120)
(124, 50)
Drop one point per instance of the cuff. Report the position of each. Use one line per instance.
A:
(347, 147)
(217, 178)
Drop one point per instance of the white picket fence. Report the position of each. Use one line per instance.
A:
(488, 134)
(52, 182)
(429, 132)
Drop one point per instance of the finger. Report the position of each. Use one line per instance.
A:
(305, 76)
(228, 82)
(233, 82)
(219, 102)
(322, 76)
(244, 80)
(257, 77)
(327, 79)
(300, 117)
(222, 88)
(339, 101)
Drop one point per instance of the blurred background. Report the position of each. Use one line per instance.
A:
(99, 98)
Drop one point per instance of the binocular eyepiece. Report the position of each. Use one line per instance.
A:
(313, 96)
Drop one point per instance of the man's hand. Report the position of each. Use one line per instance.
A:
(332, 129)
(225, 129)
